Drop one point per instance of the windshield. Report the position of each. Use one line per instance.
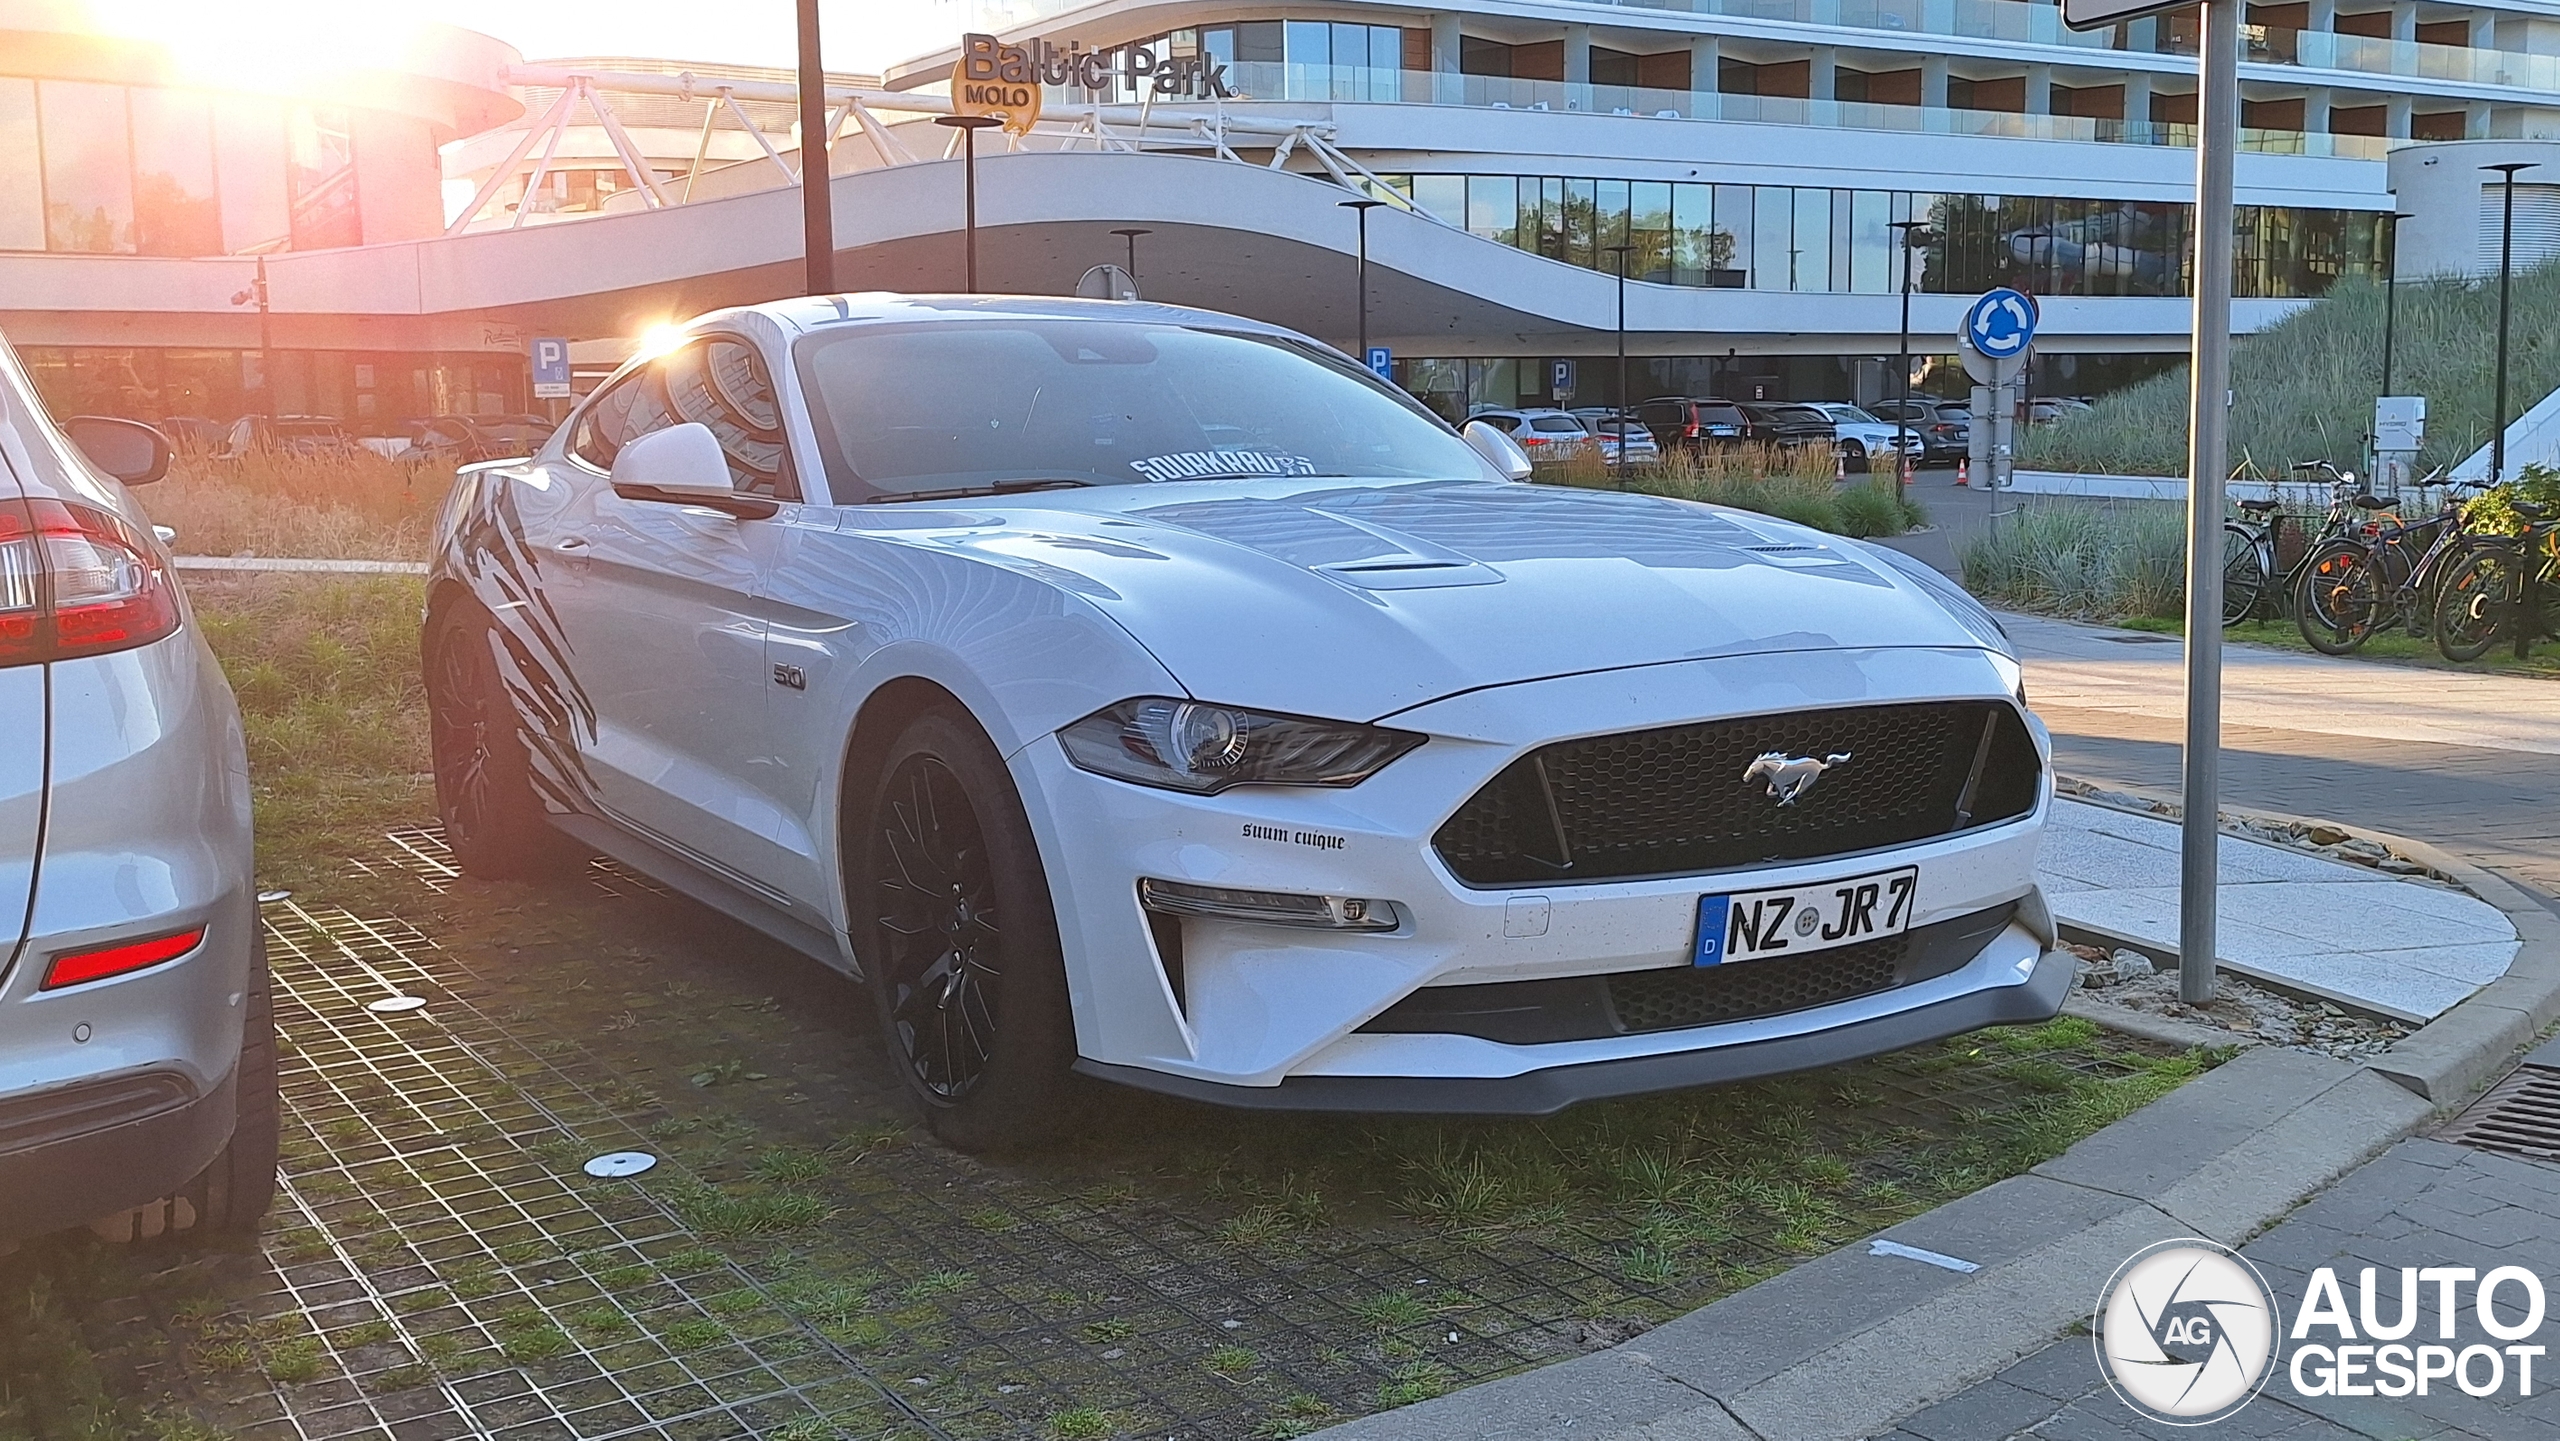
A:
(910, 410)
(1851, 414)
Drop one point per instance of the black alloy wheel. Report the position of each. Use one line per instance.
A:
(943, 962)
(963, 954)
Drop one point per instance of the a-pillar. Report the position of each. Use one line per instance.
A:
(1446, 86)
(1822, 73)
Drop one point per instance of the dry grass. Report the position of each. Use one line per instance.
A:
(1799, 485)
(358, 507)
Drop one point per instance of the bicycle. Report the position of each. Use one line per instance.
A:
(2385, 572)
(2254, 566)
(2496, 587)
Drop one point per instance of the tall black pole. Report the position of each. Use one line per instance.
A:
(817, 197)
(1618, 418)
(1908, 230)
(2390, 297)
(968, 126)
(1362, 208)
(2506, 276)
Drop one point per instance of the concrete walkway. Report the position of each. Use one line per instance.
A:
(2404, 947)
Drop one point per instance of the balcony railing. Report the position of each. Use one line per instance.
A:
(1365, 84)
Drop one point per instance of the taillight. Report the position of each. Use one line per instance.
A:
(80, 967)
(76, 581)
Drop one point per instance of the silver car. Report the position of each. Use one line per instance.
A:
(137, 1057)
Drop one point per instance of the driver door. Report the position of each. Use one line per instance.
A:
(658, 603)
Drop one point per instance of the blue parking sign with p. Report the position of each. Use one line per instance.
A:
(1382, 362)
(550, 369)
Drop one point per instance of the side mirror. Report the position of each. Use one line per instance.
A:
(1499, 450)
(683, 464)
(129, 450)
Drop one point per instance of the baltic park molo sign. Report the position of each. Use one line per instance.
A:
(988, 62)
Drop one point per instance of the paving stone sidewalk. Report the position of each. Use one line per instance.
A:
(2421, 1203)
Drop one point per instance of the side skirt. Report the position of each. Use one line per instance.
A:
(698, 884)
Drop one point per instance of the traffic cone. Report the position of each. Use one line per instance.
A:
(1964, 472)
(1839, 466)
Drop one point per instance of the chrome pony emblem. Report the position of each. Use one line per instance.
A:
(1789, 777)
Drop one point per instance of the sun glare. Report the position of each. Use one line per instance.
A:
(274, 45)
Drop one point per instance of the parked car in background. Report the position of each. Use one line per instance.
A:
(1156, 695)
(465, 439)
(305, 436)
(1946, 428)
(1549, 436)
(1864, 438)
(2046, 409)
(1615, 428)
(1681, 423)
(137, 1058)
(1790, 425)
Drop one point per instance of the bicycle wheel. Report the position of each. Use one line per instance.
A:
(2244, 573)
(2478, 592)
(2338, 599)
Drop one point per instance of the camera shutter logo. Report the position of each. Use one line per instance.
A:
(2186, 1332)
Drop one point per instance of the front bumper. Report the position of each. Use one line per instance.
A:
(1544, 1092)
(1232, 1004)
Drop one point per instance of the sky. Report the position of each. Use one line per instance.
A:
(858, 34)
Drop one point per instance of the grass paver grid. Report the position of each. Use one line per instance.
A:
(370, 1102)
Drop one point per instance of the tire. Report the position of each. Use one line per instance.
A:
(2244, 574)
(964, 960)
(493, 820)
(232, 1195)
(2473, 604)
(2338, 602)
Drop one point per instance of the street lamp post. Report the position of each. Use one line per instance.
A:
(2390, 299)
(1361, 208)
(256, 295)
(1911, 233)
(1131, 235)
(2506, 276)
(969, 126)
(817, 198)
(1620, 419)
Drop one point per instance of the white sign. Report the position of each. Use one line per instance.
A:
(2400, 422)
(551, 369)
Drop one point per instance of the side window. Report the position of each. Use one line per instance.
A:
(719, 382)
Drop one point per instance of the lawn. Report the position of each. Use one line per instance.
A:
(1176, 1268)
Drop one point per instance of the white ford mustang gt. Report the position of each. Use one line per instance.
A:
(1155, 694)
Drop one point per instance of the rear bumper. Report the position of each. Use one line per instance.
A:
(81, 1152)
(1540, 1093)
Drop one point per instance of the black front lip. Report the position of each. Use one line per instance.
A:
(1543, 1093)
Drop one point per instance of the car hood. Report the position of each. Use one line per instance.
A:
(1355, 601)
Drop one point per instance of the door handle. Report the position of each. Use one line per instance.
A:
(573, 549)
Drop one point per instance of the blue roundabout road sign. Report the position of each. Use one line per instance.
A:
(2000, 324)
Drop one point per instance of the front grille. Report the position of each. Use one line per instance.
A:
(1586, 1008)
(1674, 801)
(1675, 1000)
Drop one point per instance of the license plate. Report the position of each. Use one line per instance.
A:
(1794, 920)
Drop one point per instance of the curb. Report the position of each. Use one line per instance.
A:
(1844, 1346)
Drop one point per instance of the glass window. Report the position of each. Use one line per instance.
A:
(1444, 196)
(1218, 42)
(1733, 235)
(1259, 42)
(722, 384)
(88, 167)
(321, 177)
(1649, 230)
(1350, 62)
(1872, 268)
(1609, 224)
(175, 210)
(1580, 213)
(1693, 214)
(1812, 240)
(1773, 238)
(21, 175)
(1386, 62)
(248, 142)
(902, 409)
(1493, 207)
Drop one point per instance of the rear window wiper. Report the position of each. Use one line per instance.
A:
(964, 492)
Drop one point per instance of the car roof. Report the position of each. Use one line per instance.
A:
(882, 307)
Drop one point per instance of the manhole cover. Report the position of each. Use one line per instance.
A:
(2520, 1115)
(620, 1163)
(397, 1005)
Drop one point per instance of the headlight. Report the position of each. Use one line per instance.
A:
(1192, 746)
